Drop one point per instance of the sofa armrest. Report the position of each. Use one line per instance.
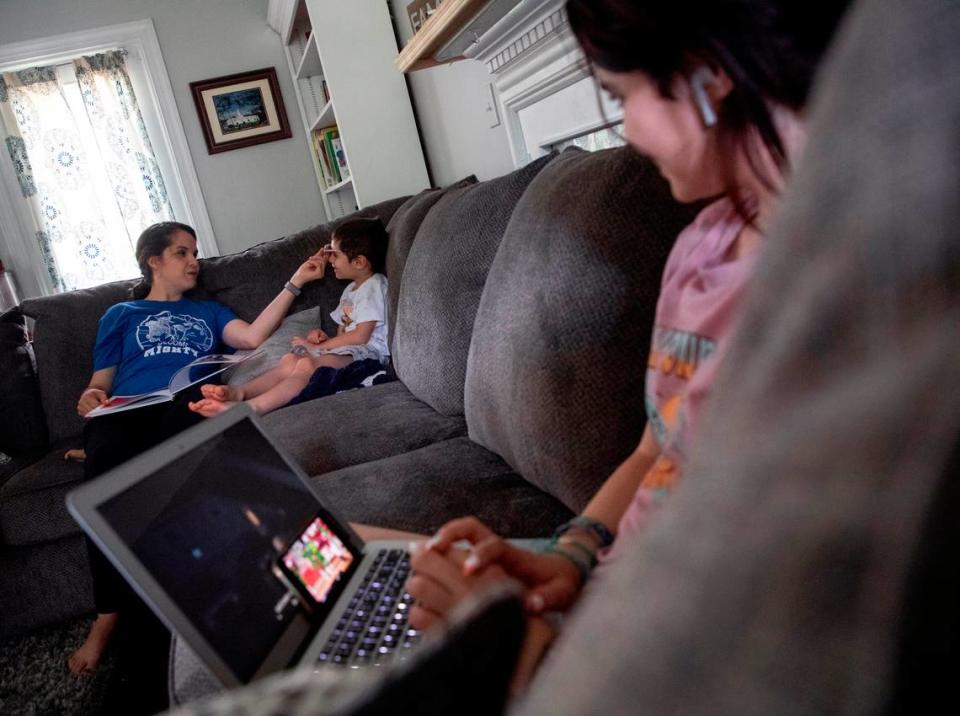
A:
(23, 425)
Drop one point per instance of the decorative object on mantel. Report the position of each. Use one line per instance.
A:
(449, 30)
(419, 11)
(240, 110)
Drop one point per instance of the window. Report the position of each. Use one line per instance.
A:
(603, 138)
(92, 152)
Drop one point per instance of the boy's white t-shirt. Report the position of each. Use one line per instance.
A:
(368, 302)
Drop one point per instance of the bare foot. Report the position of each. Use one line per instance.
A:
(85, 659)
(208, 407)
(75, 454)
(223, 393)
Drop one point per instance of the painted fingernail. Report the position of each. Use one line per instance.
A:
(535, 603)
(471, 563)
(413, 547)
(433, 542)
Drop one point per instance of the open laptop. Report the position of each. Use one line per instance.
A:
(221, 534)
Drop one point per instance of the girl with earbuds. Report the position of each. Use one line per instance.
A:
(713, 91)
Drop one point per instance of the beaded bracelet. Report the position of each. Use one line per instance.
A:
(598, 529)
(583, 564)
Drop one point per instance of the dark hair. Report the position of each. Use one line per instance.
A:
(770, 49)
(363, 237)
(152, 242)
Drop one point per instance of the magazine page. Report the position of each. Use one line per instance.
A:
(204, 368)
(119, 403)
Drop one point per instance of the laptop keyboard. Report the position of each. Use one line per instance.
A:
(373, 627)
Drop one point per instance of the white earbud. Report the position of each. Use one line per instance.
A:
(699, 79)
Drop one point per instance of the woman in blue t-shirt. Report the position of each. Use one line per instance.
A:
(140, 345)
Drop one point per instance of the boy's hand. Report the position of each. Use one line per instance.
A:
(90, 399)
(314, 338)
(317, 336)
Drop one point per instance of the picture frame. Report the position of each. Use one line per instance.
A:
(241, 110)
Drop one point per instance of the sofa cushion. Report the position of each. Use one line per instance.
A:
(556, 370)
(23, 426)
(358, 426)
(32, 506)
(274, 348)
(63, 338)
(442, 281)
(402, 229)
(420, 490)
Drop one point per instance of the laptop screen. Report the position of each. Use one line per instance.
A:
(211, 527)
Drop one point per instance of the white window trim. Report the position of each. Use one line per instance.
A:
(154, 94)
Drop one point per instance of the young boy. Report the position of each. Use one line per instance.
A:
(357, 252)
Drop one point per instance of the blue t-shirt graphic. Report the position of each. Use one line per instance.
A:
(149, 341)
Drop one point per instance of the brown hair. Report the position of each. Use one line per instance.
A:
(152, 242)
(363, 237)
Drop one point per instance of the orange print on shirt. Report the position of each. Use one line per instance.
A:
(662, 475)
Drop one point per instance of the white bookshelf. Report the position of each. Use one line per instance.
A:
(350, 46)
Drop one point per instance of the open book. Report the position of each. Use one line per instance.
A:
(198, 371)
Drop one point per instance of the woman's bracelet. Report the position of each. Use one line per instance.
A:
(296, 291)
(581, 557)
(587, 524)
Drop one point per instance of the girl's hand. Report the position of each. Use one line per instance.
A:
(90, 399)
(551, 580)
(438, 583)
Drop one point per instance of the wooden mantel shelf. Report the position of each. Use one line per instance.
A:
(451, 17)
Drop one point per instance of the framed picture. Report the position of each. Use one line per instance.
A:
(241, 110)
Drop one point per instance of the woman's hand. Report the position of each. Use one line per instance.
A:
(90, 399)
(438, 583)
(310, 270)
(552, 581)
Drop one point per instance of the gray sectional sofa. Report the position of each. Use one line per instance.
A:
(521, 310)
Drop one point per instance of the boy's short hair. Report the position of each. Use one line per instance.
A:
(363, 237)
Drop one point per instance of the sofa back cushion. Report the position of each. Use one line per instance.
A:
(556, 369)
(23, 427)
(64, 332)
(403, 229)
(442, 282)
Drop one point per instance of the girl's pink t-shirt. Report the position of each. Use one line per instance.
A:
(702, 285)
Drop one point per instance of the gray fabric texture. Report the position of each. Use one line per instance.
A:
(358, 426)
(774, 580)
(32, 507)
(442, 281)
(555, 374)
(44, 584)
(188, 678)
(23, 426)
(63, 338)
(402, 229)
(420, 490)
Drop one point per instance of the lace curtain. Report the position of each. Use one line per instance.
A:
(85, 167)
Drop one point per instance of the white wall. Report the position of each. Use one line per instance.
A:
(449, 101)
(252, 194)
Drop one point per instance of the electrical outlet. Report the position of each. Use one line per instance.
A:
(490, 100)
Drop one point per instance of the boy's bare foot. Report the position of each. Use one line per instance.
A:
(75, 454)
(85, 659)
(208, 407)
(223, 393)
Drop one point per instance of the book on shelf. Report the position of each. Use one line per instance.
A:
(316, 146)
(328, 134)
(341, 157)
(197, 371)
